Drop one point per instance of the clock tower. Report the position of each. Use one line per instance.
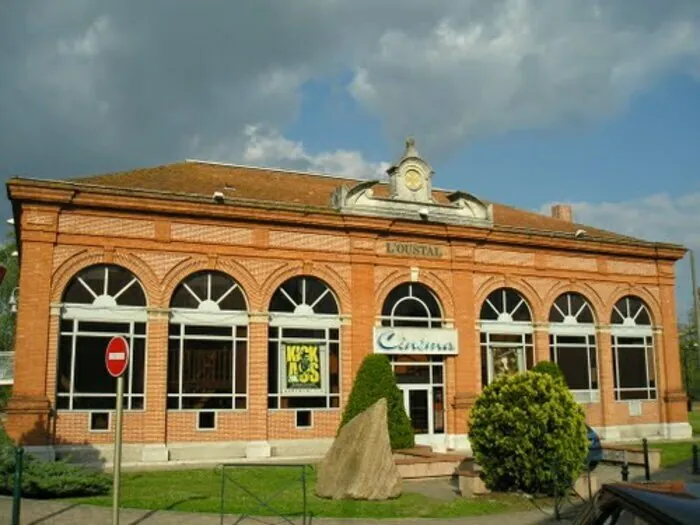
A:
(410, 179)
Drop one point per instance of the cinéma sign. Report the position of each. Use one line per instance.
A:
(435, 341)
(302, 368)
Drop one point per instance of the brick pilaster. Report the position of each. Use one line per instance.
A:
(155, 418)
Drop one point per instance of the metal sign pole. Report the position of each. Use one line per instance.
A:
(117, 450)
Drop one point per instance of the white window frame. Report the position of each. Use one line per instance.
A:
(208, 314)
(131, 337)
(216, 420)
(421, 322)
(103, 309)
(572, 327)
(305, 318)
(630, 329)
(505, 325)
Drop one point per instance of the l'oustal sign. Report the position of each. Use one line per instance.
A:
(434, 341)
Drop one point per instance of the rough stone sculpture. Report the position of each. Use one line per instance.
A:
(360, 464)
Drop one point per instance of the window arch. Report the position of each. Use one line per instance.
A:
(98, 303)
(506, 334)
(634, 367)
(304, 347)
(208, 344)
(412, 304)
(104, 286)
(572, 344)
(304, 295)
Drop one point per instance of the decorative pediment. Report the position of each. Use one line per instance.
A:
(410, 196)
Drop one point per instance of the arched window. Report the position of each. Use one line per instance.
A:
(634, 366)
(506, 334)
(208, 345)
(100, 302)
(419, 376)
(412, 304)
(304, 348)
(572, 345)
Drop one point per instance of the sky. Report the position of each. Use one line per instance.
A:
(525, 102)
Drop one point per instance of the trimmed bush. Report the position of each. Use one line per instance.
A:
(41, 479)
(550, 368)
(375, 380)
(528, 434)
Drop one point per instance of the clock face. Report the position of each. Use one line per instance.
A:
(413, 180)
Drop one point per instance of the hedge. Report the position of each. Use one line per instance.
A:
(43, 479)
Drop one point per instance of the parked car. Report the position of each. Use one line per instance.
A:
(660, 503)
(595, 449)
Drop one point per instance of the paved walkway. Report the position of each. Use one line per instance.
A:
(36, 512)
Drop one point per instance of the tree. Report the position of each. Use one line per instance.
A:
(9, 283)
(375, 380)
(550, 368)
(690, 358)
(528, 433)
(7, 317)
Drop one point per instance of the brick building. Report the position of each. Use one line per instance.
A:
(249, 297)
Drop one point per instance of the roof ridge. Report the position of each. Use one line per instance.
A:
(278, 170)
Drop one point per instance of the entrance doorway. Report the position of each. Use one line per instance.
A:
(417, 401)
(420, 379)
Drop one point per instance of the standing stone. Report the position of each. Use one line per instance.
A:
(360, 464)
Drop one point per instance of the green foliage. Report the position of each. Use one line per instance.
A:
(528, 434)
(550, 368)
(5, 394)
(41, 479)
(690, 357)
(9, 283)
(375, 380)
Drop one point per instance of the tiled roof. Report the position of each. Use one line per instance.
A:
(299, 189)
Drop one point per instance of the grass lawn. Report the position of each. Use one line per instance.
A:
(199, 491)
(674, 452)
(694, 420)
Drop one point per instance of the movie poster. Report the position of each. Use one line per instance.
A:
(302, 368)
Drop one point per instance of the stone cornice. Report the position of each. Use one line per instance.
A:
(246, 210)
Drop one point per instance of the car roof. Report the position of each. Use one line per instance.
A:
(668, 502)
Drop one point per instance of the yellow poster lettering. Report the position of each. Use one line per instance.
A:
(303, 365)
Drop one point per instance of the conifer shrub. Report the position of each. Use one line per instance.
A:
(375, 380)
(528, 433)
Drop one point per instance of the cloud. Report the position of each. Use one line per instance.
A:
(658, 217)
(267, 147)
(496, 66)
(90, 86)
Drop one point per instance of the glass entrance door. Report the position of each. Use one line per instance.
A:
(418, 400)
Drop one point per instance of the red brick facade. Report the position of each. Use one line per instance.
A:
(161, 242)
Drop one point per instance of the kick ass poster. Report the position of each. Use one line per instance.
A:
(302, 368)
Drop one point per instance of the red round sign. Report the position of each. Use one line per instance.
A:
(117, 356)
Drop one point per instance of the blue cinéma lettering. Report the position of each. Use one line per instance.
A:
(392, 341)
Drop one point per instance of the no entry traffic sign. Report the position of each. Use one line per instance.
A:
(117, 356)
